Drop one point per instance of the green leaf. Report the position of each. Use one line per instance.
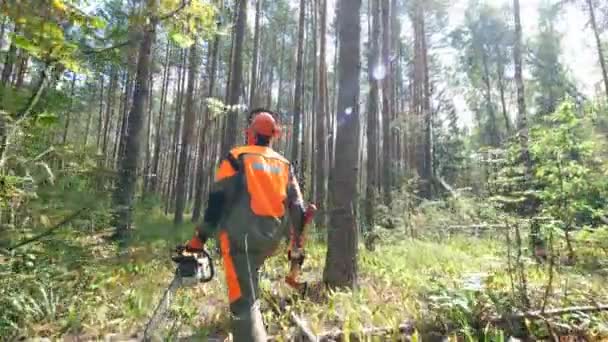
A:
(47, 119)
(25, 44)
(98, 23)
(182, 40)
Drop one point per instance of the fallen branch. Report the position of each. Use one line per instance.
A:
(477, 226)
(303, 329)
(405, 328)
(49, 231)
(554, 312)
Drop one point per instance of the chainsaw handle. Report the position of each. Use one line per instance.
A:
(180, 258)
(211, 269)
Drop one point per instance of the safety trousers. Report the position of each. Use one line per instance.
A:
(241, 269)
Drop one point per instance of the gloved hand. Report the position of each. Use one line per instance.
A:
(196, 244)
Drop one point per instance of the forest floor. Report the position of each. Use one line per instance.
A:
(460, 285)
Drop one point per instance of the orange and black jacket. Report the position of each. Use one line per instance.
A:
(254, 194)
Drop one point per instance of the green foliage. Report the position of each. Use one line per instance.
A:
(572, 187)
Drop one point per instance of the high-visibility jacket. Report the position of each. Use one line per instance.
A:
(254, 193)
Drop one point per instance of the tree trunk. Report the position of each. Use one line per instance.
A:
(254, 63)
(21, 69)
(372, 116)
(202, 168)
(155, 182)
(147, 164)
(187, 132)
(109, 111)
(494, 138)
(501, 87)
(127, 179)
(69, 113)
(169, 200)
(321, 135)
(236, 78)
(521, 103)
(341, 259)
(9, 61)
(281, 64)
(598, 42)
(386, 107)
(89, 120)
(100, 120)
(297, 99)
(428, 116)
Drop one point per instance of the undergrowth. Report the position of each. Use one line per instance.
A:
(75, 284)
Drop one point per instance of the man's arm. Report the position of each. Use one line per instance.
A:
(295, 203)
(222, 192)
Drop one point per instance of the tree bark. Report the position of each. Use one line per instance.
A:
(9, 61)
(321, 135)
(503, 102)
(181, 79)
(69, 113)
(127, 179)
(521, 103)
(236, 79)
(494, 138)
(187, 132)
(254, 63)
(297, 99)
(598, 42)
(372, 116)
(202, 170)
(341, 259)
(155, 181)
(100, 120)
(386, 107)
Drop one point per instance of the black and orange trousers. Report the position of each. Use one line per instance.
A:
(241, 267)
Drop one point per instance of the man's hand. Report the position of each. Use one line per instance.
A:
(197, 243)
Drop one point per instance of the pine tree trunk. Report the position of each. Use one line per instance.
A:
(598, 42)
(297, 100)
(501, 87)
(119, 149)
(69, 112)
(109, 112)
(21, 69)
(170, 199)
(187, 132)
(341, 260)
(125, 189)
(281, 65)
(202, 167)
(254, 63)
(494, 138)
(100, 120)
(150, 119)
(321, 113)
(89, 120)
(428, 172)
(9, 61)
(155, 182)
(372, 116)
(236, 78)
(521, 103)
(386, 108)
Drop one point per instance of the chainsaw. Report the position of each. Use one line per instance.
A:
(192, 268)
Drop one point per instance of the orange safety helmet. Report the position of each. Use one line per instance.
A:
(264, 124)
